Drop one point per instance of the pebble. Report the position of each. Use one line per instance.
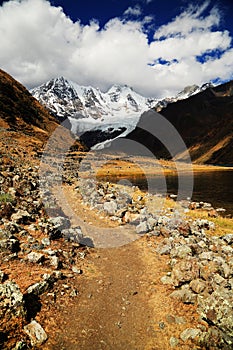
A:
(76, 270)
(173, 342)
(190, 333)
(34, 257)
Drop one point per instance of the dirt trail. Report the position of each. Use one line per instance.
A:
(121, 305)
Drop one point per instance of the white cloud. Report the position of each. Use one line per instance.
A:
(39, 42)
(133, 11)
(189, 21)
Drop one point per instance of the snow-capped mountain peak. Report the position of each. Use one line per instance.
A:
(65, 98)
(89, 108)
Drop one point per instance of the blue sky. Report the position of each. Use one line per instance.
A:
(157, 47)
(162, 11)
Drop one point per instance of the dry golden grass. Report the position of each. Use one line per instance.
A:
(141, 167)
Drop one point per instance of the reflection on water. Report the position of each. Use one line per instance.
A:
(215, 186)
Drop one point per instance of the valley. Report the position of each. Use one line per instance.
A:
(86, 263)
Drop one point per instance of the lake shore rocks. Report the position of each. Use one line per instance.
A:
(201, 265)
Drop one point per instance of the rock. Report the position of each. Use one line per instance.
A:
(110, 207)
(73, 234)
(166, 280)
(2, 276)
(54, 261)
(123, 199)
(12, 227)
(45, 241)
(50, 252)
(10, 245)
(131, 217)
(60, 223)
(206, 224)
(208, 269)
(206, 256)
(20, 345)
(51, 278)
(38, 288)
(74, 293)
(164, 249)
(214, 339)
(181, 251)
(219, 280)
(22, 216)
(36, 333)
(217, 309)
(170, 319)
(228, 238)
(185, 271)
(11, 300)
(180, 320)
(228, 250)
(34, 257)
(142, 228)
(162, 325)
(185, 295)
(193, 206)
(197, 285)
(76, 270)
(162, 220)
(212, 213)
(184, 229)
(173, 342)
(190, 333)
(152, 222)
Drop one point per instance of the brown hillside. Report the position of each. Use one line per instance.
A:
(204, 121)
(20, 111)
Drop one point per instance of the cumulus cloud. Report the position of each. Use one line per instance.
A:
(39, 42)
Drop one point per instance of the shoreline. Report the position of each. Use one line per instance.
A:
(142, 166)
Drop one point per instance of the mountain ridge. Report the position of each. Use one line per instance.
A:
(205, 123)
(65, 98)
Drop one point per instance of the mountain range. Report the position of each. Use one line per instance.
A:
(97, 116)
(203, 116)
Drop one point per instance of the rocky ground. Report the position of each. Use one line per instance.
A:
(45, 265)
(36, 258)
(200, 261)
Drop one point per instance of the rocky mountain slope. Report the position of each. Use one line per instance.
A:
(204, 121)
(19, 111)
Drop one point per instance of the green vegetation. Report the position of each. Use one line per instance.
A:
(6, 198)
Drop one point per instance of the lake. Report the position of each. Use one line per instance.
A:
(215, 187)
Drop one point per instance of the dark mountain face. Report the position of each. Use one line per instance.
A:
(205, 123)
(19, 110)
